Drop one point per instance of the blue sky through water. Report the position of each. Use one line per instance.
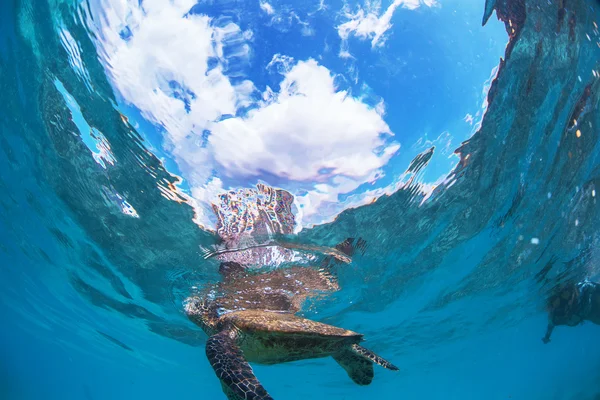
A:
(328, 99)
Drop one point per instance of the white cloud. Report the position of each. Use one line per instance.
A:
(309, 131)
(468, 119)
(367, 23)
(266, 7)
(163, 64)
(327, 204)
(173, 67)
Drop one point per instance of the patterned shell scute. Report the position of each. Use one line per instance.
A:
(255, 321)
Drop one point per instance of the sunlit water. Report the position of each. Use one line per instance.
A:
(105, 205)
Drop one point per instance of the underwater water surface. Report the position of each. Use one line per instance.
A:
(466, 155)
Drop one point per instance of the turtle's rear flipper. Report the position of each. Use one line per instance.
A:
(232, 369)
(546, 338)
(369, 355)
(359, 369)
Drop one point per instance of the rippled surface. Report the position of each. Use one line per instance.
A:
(102, 240)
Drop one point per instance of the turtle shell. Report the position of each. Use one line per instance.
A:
(258, 321)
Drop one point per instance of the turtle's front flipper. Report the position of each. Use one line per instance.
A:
(359, 369)
(228, 361)
(369, 355)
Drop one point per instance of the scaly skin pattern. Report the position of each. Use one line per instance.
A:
(368, 354)
(232, 369)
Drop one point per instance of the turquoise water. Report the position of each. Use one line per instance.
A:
(96, 255)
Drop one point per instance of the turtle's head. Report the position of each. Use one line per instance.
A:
(193, 305)
(200, 313)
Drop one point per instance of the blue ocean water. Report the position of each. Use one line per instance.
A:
(100, 242)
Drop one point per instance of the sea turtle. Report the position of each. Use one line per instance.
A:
(251, 317)
(571, 304)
